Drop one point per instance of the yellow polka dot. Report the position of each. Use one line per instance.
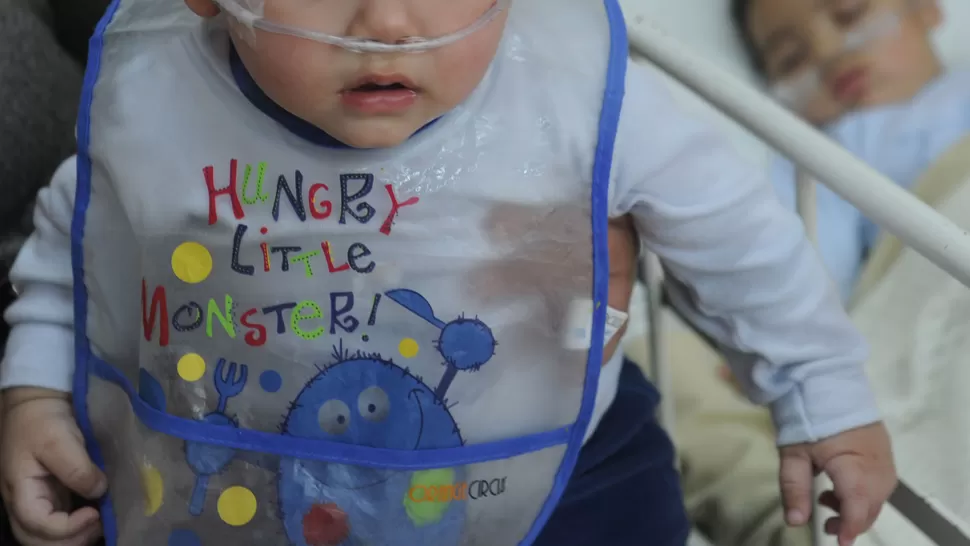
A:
(191, 262)
(154, 489)
(408, 348)
(191, 367)
(237, 506)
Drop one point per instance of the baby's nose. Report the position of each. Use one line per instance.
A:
(828, 41)
(385, 21)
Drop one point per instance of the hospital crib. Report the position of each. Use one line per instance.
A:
(894, 209)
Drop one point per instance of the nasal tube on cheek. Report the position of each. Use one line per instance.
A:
(796, 92)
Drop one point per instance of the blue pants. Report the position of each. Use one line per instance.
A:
(625, 490)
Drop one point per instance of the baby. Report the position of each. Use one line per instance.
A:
(866, 73)
(247, 234)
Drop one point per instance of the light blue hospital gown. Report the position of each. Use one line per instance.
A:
(901, 141)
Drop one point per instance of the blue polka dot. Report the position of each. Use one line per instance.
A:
(270, 381)
(183, 537)
(466, 344)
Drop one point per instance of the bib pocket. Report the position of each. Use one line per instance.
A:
(178, 481)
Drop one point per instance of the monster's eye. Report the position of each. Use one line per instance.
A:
(334, 417)
(373, 404)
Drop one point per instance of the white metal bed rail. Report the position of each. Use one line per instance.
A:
(894, 209)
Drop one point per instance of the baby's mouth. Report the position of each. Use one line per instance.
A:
(376, 87)
(850, 86)
(378, 83)
(376, 95)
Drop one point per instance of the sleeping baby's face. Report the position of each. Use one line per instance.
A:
(825, 58)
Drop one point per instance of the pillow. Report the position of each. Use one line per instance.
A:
(705, 27)
(952, 40)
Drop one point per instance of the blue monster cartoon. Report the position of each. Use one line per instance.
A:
(363, 399)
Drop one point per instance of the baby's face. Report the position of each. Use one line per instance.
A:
(795, 37)
(369, 100)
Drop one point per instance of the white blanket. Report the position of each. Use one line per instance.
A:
(917, 319)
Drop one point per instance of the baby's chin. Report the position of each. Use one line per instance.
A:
(372, 133)
(825, 115)
(832, 110)
(881, 94)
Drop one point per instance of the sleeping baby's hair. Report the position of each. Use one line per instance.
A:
(740, 10)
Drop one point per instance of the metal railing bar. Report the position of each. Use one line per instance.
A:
(926, 518)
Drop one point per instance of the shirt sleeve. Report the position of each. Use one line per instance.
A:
(40, 349)
(839, 229)
(739, 266)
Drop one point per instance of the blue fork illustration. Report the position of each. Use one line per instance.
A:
(205, 459)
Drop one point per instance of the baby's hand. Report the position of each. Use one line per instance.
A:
(860, 464)
(42, 459)
(728, 377)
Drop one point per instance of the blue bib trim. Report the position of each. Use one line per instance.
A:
(82, 345)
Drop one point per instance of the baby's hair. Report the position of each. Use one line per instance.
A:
(740, 9)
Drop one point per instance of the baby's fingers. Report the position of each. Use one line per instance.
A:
(68, 461)
(856, 510)
(88, 537)
(796, 475)
(41, 518)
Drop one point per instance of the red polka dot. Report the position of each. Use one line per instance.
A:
(325, 525)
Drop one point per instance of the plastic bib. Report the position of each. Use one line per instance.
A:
(316, 346)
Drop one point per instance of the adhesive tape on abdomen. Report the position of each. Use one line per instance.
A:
(578, 329)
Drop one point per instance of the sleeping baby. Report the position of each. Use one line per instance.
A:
(866, 73)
